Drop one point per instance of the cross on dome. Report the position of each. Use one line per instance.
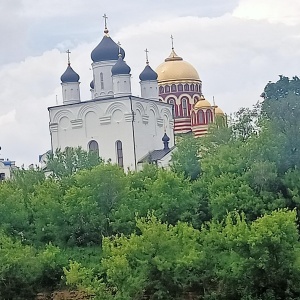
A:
(172, 41)
(147, 60)
(68, 52)
(105, 23)
(119, 44)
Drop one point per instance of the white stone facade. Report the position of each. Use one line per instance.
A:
(138, 123)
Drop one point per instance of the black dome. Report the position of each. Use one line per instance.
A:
(165, 138)
(120, 67)
(92, 84)
(107, 49)
(148, 74)
(69, 75)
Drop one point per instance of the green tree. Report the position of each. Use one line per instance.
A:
(185, 159)
(65, 163)
(88, 203)
(153, 263)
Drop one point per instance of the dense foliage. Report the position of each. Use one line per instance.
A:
(222, 223)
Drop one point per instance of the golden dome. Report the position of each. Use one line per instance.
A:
(202, 103)
(218, 111)
(174, 68)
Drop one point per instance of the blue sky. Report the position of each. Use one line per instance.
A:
(237, 46)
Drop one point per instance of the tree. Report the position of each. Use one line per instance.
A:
(88, 203)
(153, 263)
(281, 107)
(185, 159)
(65, 163)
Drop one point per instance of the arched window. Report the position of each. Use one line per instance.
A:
(172, 101)
(201, 117)
(193, 118)
(119, 151)
(186, 87)
(184, 107)
(192, 87)
(101, 81)
(161, 89)
(173, 88)
(209, 116)
(180, 87)
(196, 87)
(93, 147)
(167, 88)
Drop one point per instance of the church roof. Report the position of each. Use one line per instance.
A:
(69, 75)
(148, 74)
(120, 68)
(107, 49)
(155, 155)
(174, 68)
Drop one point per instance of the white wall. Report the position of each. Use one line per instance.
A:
(109, 120)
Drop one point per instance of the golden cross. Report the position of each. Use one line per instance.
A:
(119, 44)
(68, 52)
(105, 20)
(147, 61)
(172, 39)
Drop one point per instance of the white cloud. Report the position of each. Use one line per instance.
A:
(235, 56)
(274, 11)
(8, 118)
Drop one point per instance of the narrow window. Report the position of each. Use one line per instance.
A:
(192, 87)
(201, 117)
(119, 153)
(171, 101)
(186, 87)
(93, 147)
(173, 88)
(184, 108)
(167, 88)
(209, 116)
(161, 89)
(180, 87)
(101, 81)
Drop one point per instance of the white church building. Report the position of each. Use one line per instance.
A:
(120, 127)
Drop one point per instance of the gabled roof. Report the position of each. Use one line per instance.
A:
(155, 155)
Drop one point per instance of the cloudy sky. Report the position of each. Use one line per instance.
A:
(237, 46)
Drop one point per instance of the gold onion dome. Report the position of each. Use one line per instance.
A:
(219, 111)
(202, 103)
(174, 68)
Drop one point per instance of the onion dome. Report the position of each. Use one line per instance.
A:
(69, 75)
(219, 111)
(92, 84)
(165, 138)
(120, 68)
(107, 49)
(174, 68)
(148, 74)
(202, 103)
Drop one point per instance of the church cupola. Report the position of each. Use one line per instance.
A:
(166, 140)
(149, 85)
(121, 77)
(104, 57)
(70, 84)
(92, 86)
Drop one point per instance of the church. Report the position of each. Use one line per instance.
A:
(120, 127)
